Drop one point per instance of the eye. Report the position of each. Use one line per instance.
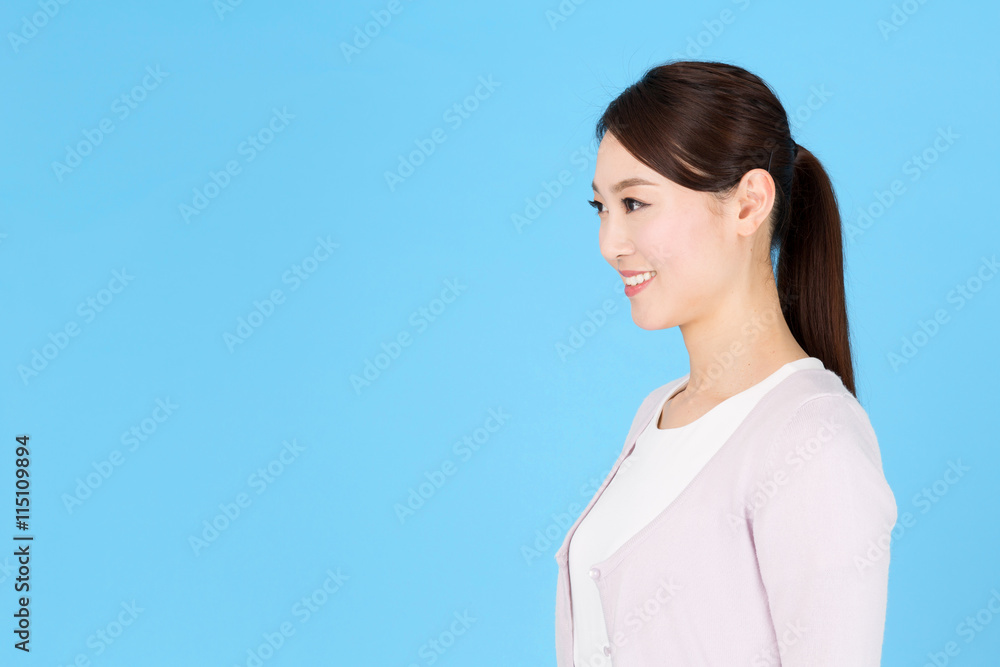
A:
(627, 201)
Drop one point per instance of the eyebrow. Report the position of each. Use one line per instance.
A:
(621, 185)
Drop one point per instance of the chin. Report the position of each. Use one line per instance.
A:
(652, 321)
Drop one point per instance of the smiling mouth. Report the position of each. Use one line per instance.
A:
(639, 278)
(637, 283)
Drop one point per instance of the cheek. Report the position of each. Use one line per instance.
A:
(684, 252)
(667, 244)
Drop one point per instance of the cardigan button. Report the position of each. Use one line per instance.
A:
(607, 650)
(594, 573)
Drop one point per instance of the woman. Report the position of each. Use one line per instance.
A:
(749, 523)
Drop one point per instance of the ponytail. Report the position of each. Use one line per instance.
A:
(811, 269)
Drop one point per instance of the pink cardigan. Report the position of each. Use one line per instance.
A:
(776, 553)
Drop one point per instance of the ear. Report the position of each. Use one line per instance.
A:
(754, 200)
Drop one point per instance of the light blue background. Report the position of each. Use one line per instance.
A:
(492, 347)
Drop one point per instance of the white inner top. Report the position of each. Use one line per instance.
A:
(660, 466)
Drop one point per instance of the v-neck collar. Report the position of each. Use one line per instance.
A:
(760, 411)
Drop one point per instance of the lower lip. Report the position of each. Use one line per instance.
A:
(632, 290)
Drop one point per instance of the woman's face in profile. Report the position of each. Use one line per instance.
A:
(662, 227)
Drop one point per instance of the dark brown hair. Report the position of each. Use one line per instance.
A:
(703, 125)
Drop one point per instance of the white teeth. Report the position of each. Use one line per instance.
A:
(639, 278)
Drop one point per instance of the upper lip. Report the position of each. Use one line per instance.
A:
(629, 274)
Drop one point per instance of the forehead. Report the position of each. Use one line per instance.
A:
(615, 164)
(612, 149)
(611, 154)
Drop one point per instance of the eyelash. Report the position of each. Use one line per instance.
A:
(596, 204)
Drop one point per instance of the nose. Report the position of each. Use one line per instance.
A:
(615, 242)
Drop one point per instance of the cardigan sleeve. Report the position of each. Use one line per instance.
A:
(821, 517)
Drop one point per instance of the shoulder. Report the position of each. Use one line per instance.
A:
(815, 404)
(819, 477)
(822, 452)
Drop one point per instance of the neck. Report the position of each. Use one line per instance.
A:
(739, 344)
